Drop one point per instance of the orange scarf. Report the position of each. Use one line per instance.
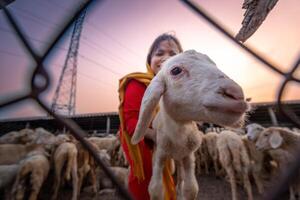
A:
(134, 150)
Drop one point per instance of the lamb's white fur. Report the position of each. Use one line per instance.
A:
(199, 92)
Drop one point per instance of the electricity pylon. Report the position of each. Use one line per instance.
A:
(64, 101)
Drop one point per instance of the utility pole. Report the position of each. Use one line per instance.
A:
(64, 101)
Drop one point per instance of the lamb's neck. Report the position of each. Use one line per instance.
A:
(172, 123)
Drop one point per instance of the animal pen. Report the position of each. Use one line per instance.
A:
(38, 87)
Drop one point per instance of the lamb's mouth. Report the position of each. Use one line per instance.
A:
(231, 106)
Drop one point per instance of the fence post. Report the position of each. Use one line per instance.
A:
(273, 116)
(107, 125)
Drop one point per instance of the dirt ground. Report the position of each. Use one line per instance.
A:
(210, 188)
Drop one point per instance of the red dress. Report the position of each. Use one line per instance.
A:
(134, 93)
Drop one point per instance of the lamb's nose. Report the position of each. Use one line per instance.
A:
(232, 90)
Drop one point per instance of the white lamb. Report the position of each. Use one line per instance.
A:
(188, 88)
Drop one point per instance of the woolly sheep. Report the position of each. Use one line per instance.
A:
(283, 146)
(65, 154)
(13, 153)
(211, 141)
(7, 174)
(121, 174)
(235, 160)
(202, 158)
(30, 136)
(257, 158)
(112, 144)
(108, 143)
(188, 88)
(253, 130)
(16, 137)
(87, 166)
(35, 168)
(278, 138)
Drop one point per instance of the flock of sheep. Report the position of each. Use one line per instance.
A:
(31, 157)
(259, 154)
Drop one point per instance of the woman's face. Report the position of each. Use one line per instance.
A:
(165, 50)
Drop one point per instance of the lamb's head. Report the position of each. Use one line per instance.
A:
(193, 88)
(27, 135)
(253, 130)
(269, 139)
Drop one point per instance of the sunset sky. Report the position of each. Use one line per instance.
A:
(115, 40)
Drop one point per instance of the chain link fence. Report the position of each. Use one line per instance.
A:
(40, 81)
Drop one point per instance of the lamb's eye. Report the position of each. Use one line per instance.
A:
(176, 70)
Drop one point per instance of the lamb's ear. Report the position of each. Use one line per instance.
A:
(150, 101)
(275, 140)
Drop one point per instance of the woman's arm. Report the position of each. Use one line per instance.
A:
(134, 93)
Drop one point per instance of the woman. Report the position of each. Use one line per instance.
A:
(131, 91)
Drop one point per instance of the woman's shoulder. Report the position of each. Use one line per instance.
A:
(135, 84)
(134, 79)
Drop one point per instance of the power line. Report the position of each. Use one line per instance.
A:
(38, 20)
(11, 53)
(101, 31)
(112, 38)
(94, 45)
(64, 100)
(97, 63)
(85, 75)
(64, 49)
(94, 79)
(57, 65)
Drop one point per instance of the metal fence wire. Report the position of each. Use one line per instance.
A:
(40, 81)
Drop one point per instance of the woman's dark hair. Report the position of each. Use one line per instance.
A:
(158, 40)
